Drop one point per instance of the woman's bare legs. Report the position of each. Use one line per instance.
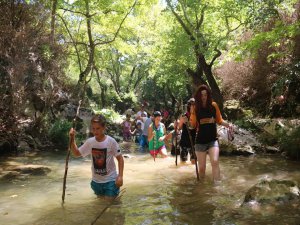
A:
(214, 161)
(201, 157)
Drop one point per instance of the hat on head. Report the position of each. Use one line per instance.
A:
(191, 100)
(156, 114)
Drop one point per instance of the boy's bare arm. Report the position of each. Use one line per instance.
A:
(119, 180)
(150, 133)
(73, 145)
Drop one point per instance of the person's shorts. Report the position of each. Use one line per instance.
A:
(162, 150)
(105, 189)
(206, 147)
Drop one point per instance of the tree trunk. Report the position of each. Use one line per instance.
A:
(103, 88)
(6, 95)
(90, 63)
(216, 92)
(53, 15)
(296, 50)
(196, 79)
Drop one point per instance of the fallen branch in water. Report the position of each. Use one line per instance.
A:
(118, 197)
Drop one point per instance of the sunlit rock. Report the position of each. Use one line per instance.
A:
(271, 149)
(244, 143)
(31, 169)
(232, 109)
(272, 191)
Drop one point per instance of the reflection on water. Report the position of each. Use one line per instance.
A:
(155, 193)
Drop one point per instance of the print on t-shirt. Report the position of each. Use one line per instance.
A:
(99, 160)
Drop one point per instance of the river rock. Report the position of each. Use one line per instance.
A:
(31, 169)
(8, 175)
(271, 149)
(232, 109)
(274, 126)
(23, 146)
(272, 191)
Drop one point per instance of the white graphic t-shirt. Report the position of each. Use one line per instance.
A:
(102, 153)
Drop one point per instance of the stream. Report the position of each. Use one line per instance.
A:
(153, 192)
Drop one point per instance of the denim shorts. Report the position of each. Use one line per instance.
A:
(207, 146)
(105, 189)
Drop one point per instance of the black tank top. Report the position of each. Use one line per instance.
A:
(207, 132)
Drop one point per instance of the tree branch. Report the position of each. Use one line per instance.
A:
(185, 14)
(72, 11)
(201, 18)
(219, 53)
(77, 43)
(119, 28)
(113, 80)
(130, 78)
(139, 78)
(186, 29)
(75, 46)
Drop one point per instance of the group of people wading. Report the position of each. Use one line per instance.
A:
(198, 129)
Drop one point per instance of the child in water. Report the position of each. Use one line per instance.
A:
(138, 132)
(156, 136)
(102, 148)
(126, 125)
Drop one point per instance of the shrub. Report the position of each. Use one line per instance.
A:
(110, 115)
(290, 142)
(58, 132)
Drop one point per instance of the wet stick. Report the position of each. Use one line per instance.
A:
(68, 154)
(176, 145)
(193, 149)
(118, 197)
(154, 145)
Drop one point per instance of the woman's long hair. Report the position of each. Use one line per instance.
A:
(198, 99)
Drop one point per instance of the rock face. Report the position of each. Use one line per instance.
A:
(232, 109)
(83, 121)
(32, 169)
(16, 171)
(244, 143)
(262, 139)
(272, 191)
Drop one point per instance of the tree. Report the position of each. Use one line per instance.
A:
(87, 38)
(209, 25)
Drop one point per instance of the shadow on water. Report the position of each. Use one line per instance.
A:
(156, 193)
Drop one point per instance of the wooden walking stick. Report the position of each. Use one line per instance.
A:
(68, 154)
(193, 150)
(175, 127)
(117, 198)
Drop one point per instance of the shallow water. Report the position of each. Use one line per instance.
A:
(153, 193)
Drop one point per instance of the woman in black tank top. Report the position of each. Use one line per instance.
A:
(208, 116)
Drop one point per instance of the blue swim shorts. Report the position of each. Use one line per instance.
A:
(105, 189)
(207, 146)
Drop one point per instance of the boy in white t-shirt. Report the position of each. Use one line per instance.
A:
(102, 148)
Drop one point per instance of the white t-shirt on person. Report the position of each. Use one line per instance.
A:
(139, 113)
(102, 155)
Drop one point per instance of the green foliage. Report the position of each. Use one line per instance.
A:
(281, 34)
(111, 115)
(290, 142)
(246, 124)
(59, 132)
